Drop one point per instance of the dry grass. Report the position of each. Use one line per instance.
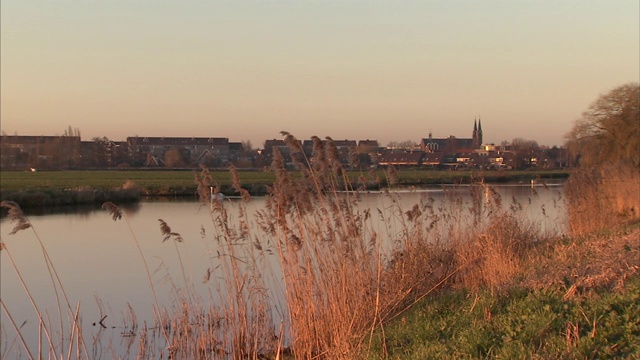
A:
(601, 198)
(494, 257)
(583, 263)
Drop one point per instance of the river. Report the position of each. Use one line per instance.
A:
(102, 272)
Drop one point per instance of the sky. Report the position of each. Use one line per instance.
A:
(352, 69)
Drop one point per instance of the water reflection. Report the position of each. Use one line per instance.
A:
(70, 210)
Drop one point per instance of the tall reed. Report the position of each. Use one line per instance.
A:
(55, 347)
(346, 269)
(603, 197)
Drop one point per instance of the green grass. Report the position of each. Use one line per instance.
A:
(166, 179)
(521, 324)
(21, 180)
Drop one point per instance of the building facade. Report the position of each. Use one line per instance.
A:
(452, 144)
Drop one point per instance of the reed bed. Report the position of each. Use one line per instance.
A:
(602, 198)
(343, 270)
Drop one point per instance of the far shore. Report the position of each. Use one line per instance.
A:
(63, 188)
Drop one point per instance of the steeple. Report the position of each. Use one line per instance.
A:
(479, 131)
(474, 138)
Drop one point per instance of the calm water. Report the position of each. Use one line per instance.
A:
(101, 269)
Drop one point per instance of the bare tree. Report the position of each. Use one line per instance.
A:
(609, 131)
(524, 150)
(100, 155)
(406, 144)
(174, 157)
(72, 132)
(247, 147)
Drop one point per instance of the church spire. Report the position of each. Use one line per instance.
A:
(479, 131)
(474, 138)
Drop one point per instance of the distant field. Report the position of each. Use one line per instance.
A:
(23, 180)
(165, 179)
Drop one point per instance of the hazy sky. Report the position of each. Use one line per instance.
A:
(386, 70)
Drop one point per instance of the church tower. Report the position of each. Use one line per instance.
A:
(475, 139)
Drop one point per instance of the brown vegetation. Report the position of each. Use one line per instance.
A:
(602, 198)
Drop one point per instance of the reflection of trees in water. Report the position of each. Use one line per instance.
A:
(130, 209)
(80, 210)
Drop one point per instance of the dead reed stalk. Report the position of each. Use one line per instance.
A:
(16, 215)
(601, 198)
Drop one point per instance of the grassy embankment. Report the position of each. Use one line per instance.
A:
(575, 297)
(581, 306)
(52, 188)
(351, 275)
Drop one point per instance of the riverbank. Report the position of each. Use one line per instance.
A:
(564, 305)
(61, 188)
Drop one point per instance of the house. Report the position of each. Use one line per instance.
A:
(269, 145)
(400, 159)
(151, 151)
(236, 151)
(368, 146)
(345, 144)
(283, 148)
(432, 159)
(345, 150)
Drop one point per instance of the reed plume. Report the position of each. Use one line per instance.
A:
(165, 229)
(113, 210)
(15, 214)
(203, 182)
(244, 194)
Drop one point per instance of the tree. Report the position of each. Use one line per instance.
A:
(524, 151)
(609, 131)
(406, 144)
(175, 157)
(247, 147)
(72, 132)
(101, 152)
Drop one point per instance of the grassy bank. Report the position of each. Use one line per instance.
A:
(55, 188)
(573, 309)
(522, 324)
(571, 297)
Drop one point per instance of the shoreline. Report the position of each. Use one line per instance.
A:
(55, 194)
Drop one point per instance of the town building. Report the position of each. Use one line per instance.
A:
(157, 151)
(451, 144)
